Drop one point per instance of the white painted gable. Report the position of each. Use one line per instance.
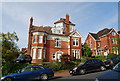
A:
(75, 34)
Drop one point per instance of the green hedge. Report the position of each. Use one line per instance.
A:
(59, 66)
(112, 55)
(10, 68)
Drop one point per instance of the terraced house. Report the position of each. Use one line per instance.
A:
(102, 42)
(52, 42)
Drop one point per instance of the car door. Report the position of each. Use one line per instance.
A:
(26, 74)
(89, 65)
(37, 71)
(97, 64)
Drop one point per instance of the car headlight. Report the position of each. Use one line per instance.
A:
(2, 78)
(75, 68)
(96, 79)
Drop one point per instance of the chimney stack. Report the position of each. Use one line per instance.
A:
(67, 18)
(31, 21)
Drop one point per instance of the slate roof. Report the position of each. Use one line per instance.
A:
(64, 20)
(100, 33)
(47, 30)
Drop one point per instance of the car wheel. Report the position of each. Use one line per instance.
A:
(8, 79)
(82, 71)
(44, 77)
(102, 68)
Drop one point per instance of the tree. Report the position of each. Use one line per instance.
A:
(86, 50)
(8, 46)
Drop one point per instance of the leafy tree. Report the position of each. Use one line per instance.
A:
(8, 46)
(86, 50)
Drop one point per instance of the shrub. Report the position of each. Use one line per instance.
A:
(59, 65)
(100, 57)
(111, 55)
(10, 68)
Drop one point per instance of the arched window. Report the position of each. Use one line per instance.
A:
(57, 43)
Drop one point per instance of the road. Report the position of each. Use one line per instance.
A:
(86, 77)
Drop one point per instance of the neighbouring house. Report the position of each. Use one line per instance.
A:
(119, 33)
(102, 42)
(51, 43)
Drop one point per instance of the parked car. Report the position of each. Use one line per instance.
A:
(111, 62)
(23, 59)
(110, 75)
(30, 73)
(88, 66)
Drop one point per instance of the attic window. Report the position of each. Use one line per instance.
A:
(113, 33)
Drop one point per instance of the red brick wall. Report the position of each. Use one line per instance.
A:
(93, 41)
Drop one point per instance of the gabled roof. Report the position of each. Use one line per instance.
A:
(47, 30)
(100, 33)
(75, 33)
(64, 20)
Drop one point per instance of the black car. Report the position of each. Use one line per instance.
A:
(110, 75)
(111, 62)
(30, 73)
(88, 66)
(23, 59)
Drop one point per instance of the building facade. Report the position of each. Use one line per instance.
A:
(102, 42)
(51, 43)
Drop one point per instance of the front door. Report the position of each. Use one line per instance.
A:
(59, 57)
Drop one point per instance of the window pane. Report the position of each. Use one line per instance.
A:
(35, 38)
(39, 53)
(37, 68)
(57, 42)
(76, 42)
(73, 42)
(40, 39)
(34, 53)
(27, 69)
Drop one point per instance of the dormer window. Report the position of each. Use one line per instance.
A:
(57, 30)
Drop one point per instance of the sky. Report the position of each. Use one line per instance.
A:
(88, 16)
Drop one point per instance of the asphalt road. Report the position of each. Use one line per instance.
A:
(86, 77)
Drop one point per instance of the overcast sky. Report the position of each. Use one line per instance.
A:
(88, 16)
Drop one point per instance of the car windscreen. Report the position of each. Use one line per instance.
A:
(21, 56)
(117, 67)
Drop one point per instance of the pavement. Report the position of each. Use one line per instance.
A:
(62, 73)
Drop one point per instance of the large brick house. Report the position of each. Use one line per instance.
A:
(102, 42)
(52, 42)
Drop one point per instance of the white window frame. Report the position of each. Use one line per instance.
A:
(76, 53)
(40, 39)
(57, 43)
(76, 41)
(45, 40)
(113, 33)
(113, 41)
(39, 53)
(34, 53)
(35, 39)
(54, 56)
(98, 44)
